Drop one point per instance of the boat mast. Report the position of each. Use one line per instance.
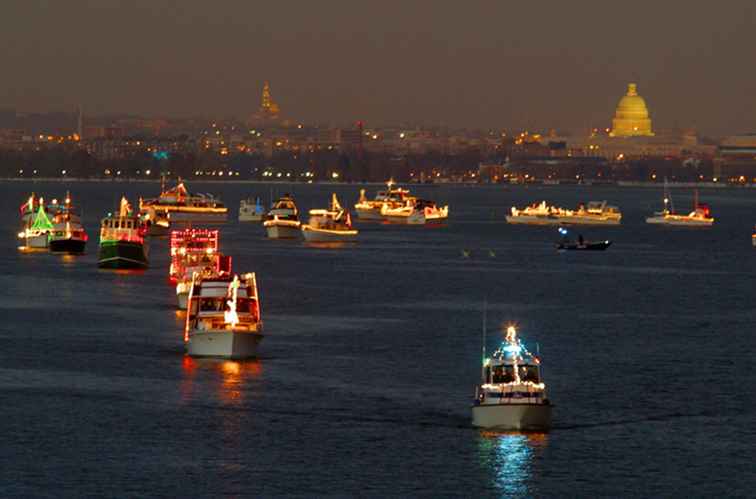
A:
(483, 361)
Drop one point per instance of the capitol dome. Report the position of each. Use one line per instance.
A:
(631, 118)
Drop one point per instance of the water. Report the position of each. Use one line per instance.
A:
(372, 354)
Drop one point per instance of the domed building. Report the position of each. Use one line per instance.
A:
(631, 118)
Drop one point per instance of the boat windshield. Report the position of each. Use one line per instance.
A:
(505, 374)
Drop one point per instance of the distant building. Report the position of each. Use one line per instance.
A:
(631, 117)
(736, 158)
(269, 110)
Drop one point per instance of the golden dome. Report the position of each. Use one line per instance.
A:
(631, 118)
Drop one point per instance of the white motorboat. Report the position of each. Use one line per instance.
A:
(595, 213)
(329, 225)
(251, 210)
(35, 234)
(223, 317)
(282, 221)
(184, 207)
(68, 234)
(512, 394)
(699, 217)
(416, 212)
(392, 197)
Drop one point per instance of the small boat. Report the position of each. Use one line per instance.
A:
(416, 212)
(512, 394)
(753, 237)
(585, 245)
(185, 207)
(195, 251)
(581, 244)
(282, 221)
(699, 217)
(122, 240)
(392, 197)
(223, 317)
(35, 234)
(251, 211)
(329, 225)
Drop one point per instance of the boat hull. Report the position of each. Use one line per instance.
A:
(122, 255)
(512, 417)
(251, 217)
(276, 231)
(369, 214)
(555, 220)
(327, 236)
(227, 344)
(36, 242)
(587, 246)
(67, 245)
(679, 222)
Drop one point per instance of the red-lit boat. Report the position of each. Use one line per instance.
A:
(195, 251)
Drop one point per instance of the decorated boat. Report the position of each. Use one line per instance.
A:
(68, 234)
(251, 210)
(753, 237)
(329, 225)
(158, 223)
(223, 317)
(183, 207)
(594, 213)
(512, 394)
(416, 212)
(371, 209)
(35, 234)
(122, 240)
(195, 251)
(282, 220)
(699, 217)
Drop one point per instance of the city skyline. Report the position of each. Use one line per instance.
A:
(485, 66)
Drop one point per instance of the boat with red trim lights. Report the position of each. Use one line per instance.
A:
(512, 394)
(282, 221)
(223, 317)
(699, 217)
(329, 225)
(181, 206)
(195, 251)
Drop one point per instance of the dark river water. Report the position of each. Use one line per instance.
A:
(372, 352)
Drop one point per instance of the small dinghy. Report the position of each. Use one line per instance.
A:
(581, 244)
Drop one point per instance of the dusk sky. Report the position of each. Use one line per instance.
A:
(504, 64)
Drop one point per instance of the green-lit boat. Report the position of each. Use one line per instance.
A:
(122, 241)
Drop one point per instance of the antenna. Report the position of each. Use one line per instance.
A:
(485, 313)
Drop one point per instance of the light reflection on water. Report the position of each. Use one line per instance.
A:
(231, 380)
(509, 459)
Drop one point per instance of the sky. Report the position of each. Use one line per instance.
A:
(473, 63)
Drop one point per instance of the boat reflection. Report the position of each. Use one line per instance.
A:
(510, 459)
(229, 380)
(331, 244)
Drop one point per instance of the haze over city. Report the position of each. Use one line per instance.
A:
(544, 65)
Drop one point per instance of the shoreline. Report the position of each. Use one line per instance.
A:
(620, 183)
